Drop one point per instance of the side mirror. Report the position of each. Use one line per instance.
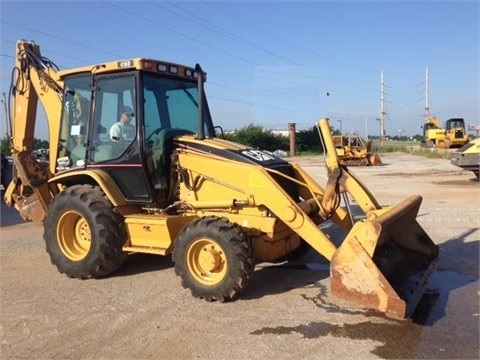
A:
(219, 132)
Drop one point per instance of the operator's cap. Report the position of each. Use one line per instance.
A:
(126, 110)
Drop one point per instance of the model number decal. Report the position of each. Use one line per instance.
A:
(258, 155)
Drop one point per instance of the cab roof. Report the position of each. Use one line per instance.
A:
(143, 64)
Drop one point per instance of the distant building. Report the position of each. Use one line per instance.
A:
(281, 132)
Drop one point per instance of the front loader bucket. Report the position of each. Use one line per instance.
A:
(385, 262)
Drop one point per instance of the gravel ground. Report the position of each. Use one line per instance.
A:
(142, 312)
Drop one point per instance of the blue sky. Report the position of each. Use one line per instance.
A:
(274, 62)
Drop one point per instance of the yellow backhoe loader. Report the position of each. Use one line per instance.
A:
(171, 186)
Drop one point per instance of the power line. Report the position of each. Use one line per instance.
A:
(230, 88)
(50, 52)
(60, 38)
(229, 99)
(179, 33)
(88, 61)
(279, 38)
(219, 30)
(154, 22)
(336, 77)
(332, 91)
(347, 80)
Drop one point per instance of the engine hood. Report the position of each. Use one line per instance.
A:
(230, 150)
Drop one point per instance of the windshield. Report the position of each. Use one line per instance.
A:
(172, 103)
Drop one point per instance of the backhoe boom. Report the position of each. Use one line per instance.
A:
(35, 79)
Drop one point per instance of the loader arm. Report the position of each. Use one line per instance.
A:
(34, 79)
(386, 258)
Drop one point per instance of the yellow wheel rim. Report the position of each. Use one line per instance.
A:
(73, 236)
(206, 261)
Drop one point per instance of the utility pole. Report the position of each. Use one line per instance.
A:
(366, 128)
(427, 100)
(382, 111)
(292, 132)
(7, 122)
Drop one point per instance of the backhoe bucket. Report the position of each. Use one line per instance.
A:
(385, 262)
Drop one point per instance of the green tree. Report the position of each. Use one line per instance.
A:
(257, 137)
(5, 144)
(308, 141)
(40, 144)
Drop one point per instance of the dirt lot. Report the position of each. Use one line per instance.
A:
(142, 311)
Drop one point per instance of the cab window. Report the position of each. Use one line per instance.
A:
(115, 125)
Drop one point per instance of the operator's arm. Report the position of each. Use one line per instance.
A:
(116, 132)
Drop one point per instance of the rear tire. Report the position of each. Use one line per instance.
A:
(83, 234)
(214, 258)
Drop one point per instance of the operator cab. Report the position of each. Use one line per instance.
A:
(161, 106)
(455, 124)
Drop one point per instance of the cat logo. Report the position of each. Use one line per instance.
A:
(258, 155)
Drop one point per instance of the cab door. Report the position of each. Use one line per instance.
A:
(120, 158)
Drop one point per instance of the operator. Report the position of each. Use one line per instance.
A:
(122, 130)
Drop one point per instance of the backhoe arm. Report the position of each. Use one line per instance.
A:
(34, 79)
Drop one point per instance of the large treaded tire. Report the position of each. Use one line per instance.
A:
(83, 234)
(214, 258)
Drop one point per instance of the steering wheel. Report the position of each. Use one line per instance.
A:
(154, 132)
(156, 138)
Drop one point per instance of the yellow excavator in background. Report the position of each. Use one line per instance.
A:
(453, 135)
(173, 187)
(351, 151)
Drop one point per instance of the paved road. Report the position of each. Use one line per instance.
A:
(142, 311)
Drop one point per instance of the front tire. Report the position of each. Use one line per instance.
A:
(83, 234)
(214, 258)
